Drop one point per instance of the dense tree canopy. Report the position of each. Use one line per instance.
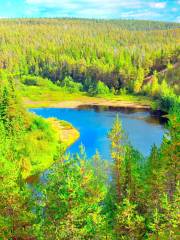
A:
(114, 52)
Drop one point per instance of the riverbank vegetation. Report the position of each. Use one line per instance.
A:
(130, 197)
(41, 139)
(48, 94)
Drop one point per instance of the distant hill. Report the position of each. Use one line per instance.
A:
(120, 53)
(135, 25)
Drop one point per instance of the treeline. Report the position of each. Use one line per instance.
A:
(80, 198)
(136, 25)
(118, 53)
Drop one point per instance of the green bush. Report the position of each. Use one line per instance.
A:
(69, 84)
(30, 80)
(122, 91)
(101, 88)
(39, 123)
(169, 102)
(98, 88)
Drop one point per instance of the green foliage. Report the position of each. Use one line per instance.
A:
(129, 224)
(43, 137)
(101, 88)
(117, 138)
(70, 202)
(130, 198)
(122, 91)
(155, 88)
(16, 218)
(168, 102)
(97, 88)
(118, 53)
(38, 123)
(27, 144)
(70, 85)
(165, 90)
(172, 78)
(139, 80)
(165, 223)
(77, 200)
(30, 80)
(154, 179)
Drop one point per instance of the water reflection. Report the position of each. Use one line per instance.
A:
(144, 128)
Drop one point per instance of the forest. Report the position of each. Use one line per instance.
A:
(130, 197)
(94, 56)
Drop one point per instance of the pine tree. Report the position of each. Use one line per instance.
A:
(155, 85)
(16, 218)
(155, 179)
(139, 80)
(130, 225)
(171, 153)
(117, 138)
(165, 90)
(133, 181)
(70, 203)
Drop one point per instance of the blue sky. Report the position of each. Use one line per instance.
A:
(164, 10)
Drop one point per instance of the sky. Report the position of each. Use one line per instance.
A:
(161, 10)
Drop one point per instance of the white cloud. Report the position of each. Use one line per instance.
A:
(31, 11)
(97, 13)
(139, 9)
(146, 14)
(53, 3)
(178, 19)
(159, 5)
(87, 8)
(84, 3)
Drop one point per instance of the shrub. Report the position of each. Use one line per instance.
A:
(98, 88)
(165, 90)
(101, 88)
(139, 80)
(70, 85)
(122, 91)
(155, 88)
(30, 80)
(169, 102)
(39, 123)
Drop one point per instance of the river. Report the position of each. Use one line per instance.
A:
(142, 127)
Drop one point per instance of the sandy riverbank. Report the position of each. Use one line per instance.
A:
(88, 102)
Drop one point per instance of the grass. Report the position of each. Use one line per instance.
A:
(44, 96)
(35, 96)
(67, 133)
(49, 138)
(145, 100)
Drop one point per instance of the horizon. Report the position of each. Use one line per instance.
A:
(88, 19)
(150, 10)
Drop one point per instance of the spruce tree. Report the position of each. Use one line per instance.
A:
(117, 138)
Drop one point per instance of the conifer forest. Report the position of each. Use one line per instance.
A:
(49, 193)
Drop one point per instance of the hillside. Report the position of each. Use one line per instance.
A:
(118, 53)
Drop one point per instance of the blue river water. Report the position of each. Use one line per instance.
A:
(142, 127)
